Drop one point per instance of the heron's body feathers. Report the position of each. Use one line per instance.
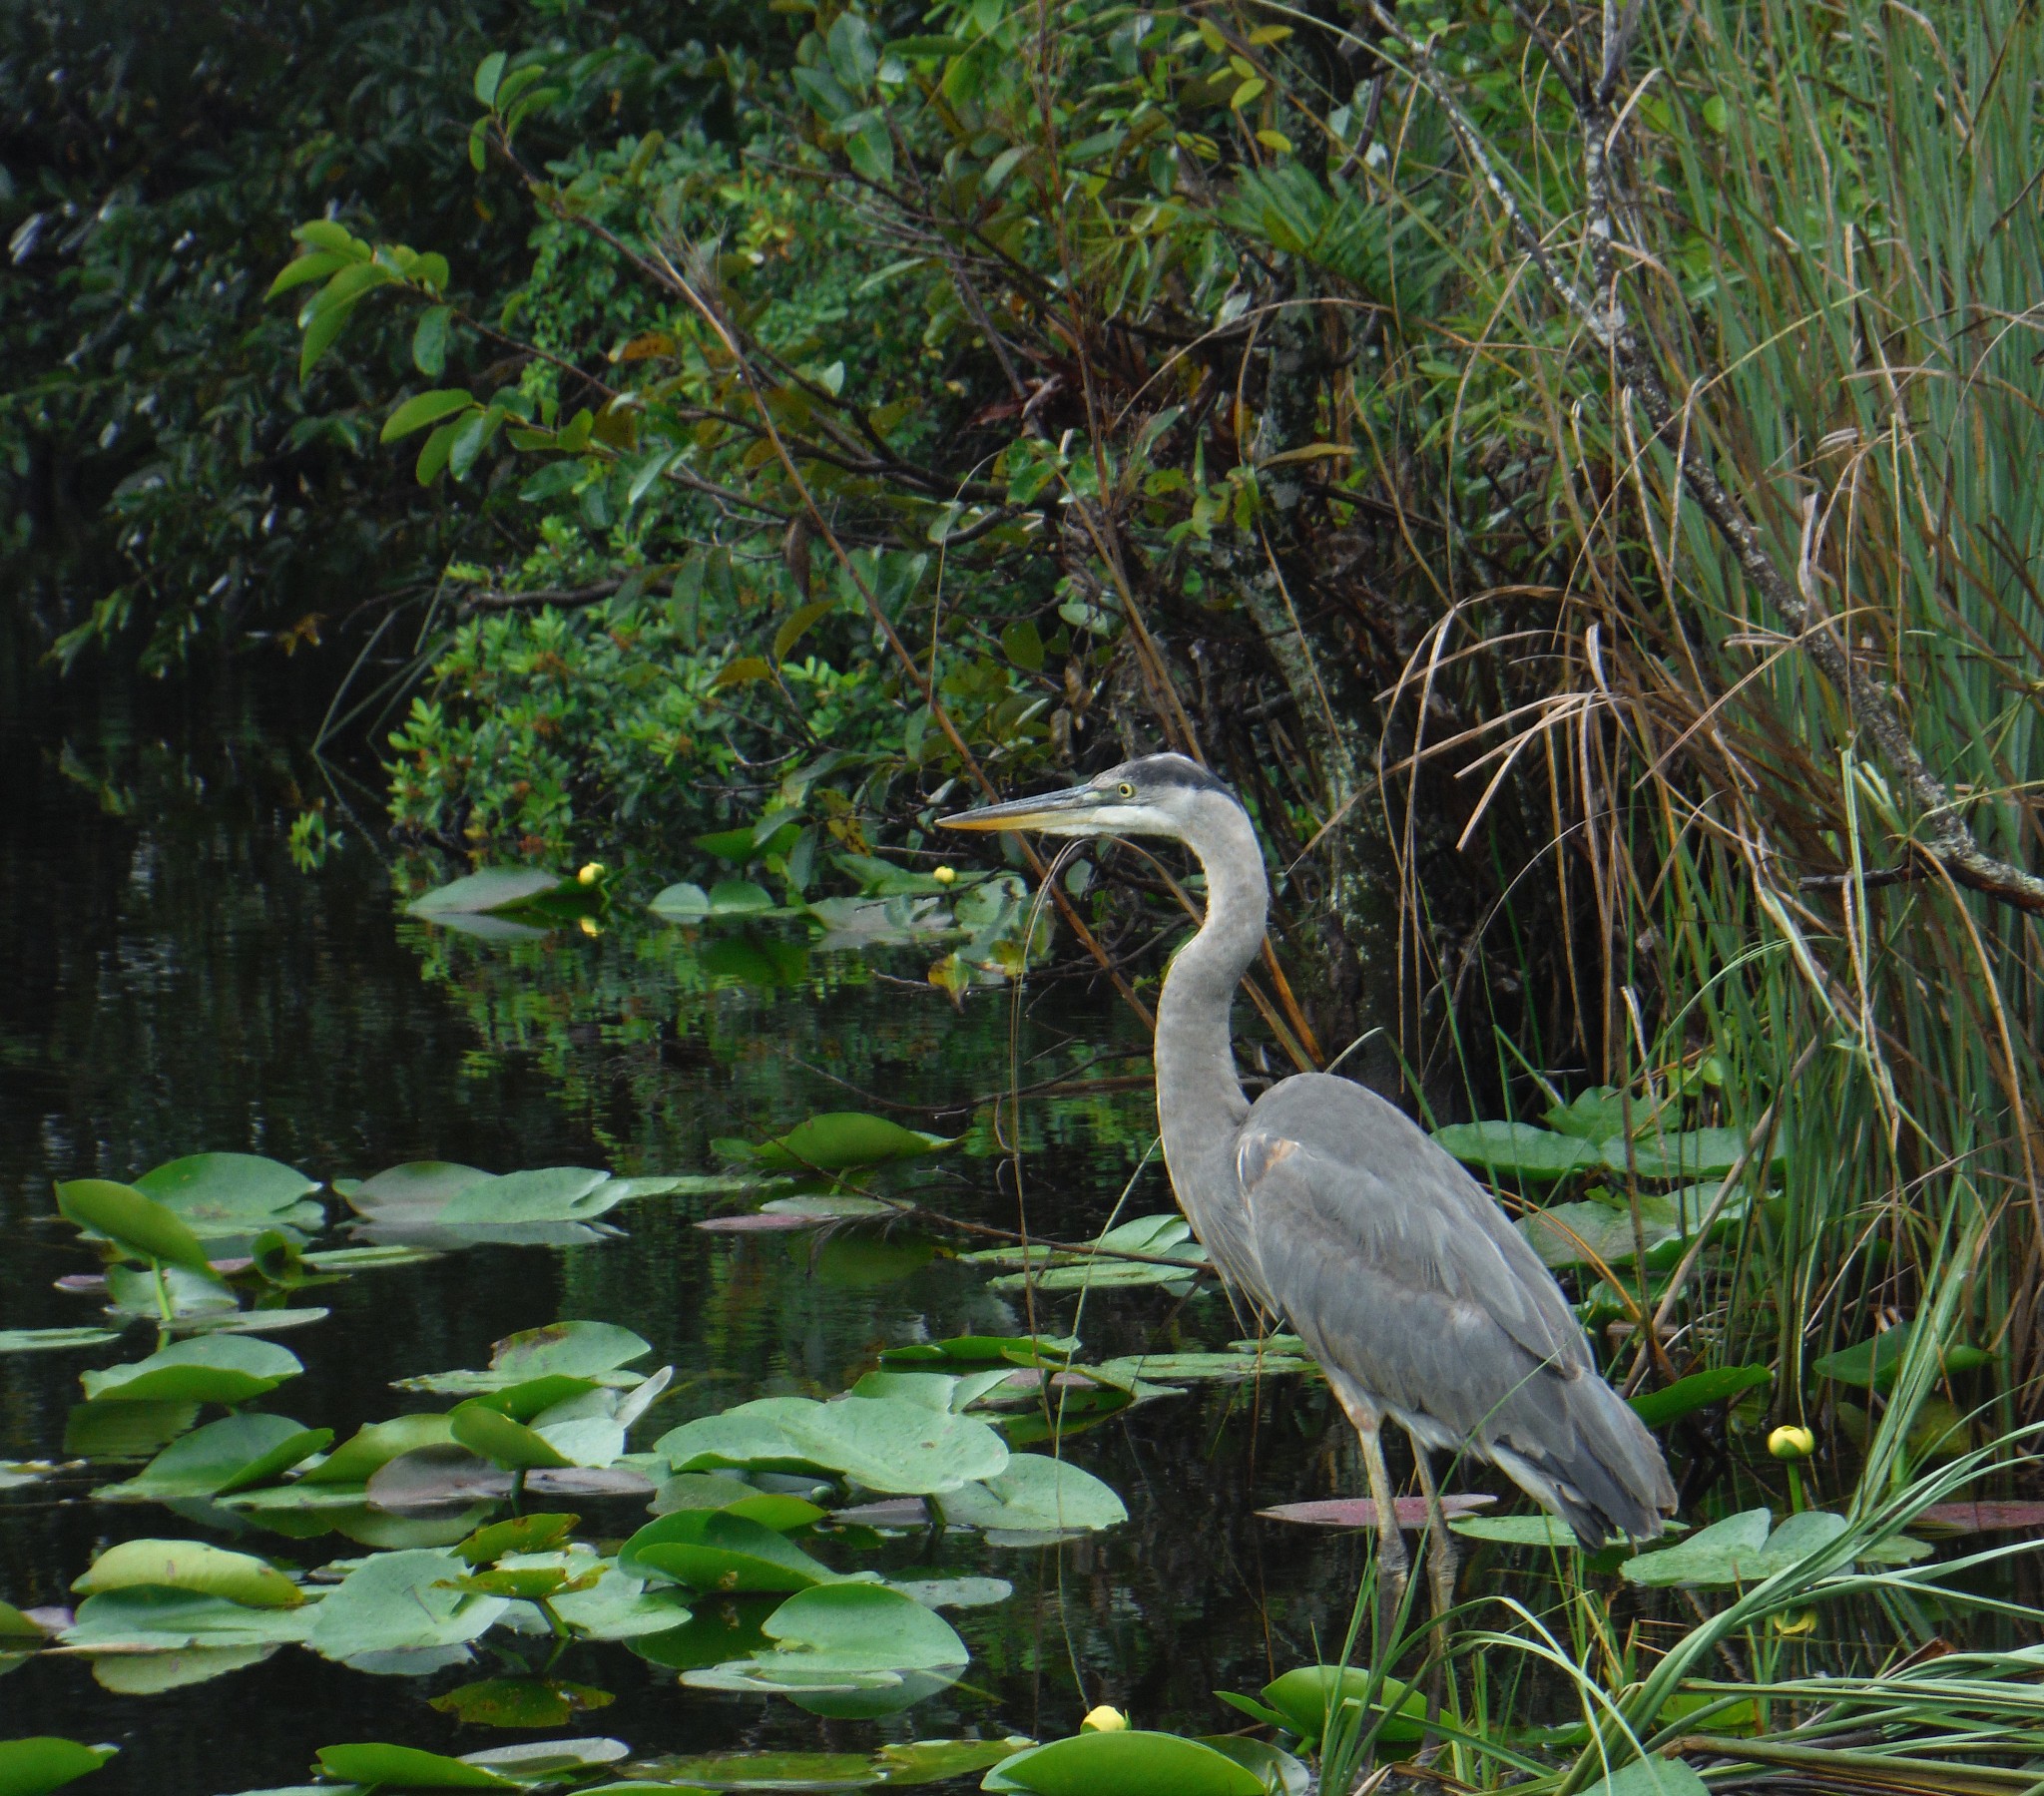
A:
(1424, 1302)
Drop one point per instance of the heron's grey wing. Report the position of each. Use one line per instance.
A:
(1407, 1281)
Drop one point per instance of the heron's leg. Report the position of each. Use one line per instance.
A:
(1393, 1567)
(1441, 1555)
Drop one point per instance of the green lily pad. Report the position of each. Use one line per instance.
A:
(1519, 1148)
(44, 1762)
(233, 1193)
(1131, 1762)
(155, 1618)
(190, 1566)
(1307, 1695)
(134, 1221)
(152, 1673)
(227, 1369)
(417, 1186)
(713, 1549)
(521, 1702)
(1698, 1391)
(1034, 1494)
(837, 1141)
(1690, 1153)
(1738, 1549)
(1651, 1777)
(973, 1350)
(492, 891)
(592, 1352)
(51, 1340)
(373, 1447)
(1195, 1368)
(125, 1431)
(805, 1771)
(1167, 1235)
(502, 1441)
(400, 1601)
(1873, 1362)
(372, 1762)
(1518, 1531)
(882, 1442)
(223, 1455)
(847, 1649)
(544, 1195)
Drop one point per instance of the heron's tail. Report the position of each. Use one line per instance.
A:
(1596, 1466)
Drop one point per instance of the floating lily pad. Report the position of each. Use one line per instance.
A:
(521, 1702)
(53, 1340)
(1195, 1368)
(1874, 1362)
(1738, 1549)
(134, 1221)
(595, 1352)
(1017, 1350)
(713, 1549)
(372, 1762)
(1519, 1148)
(1165, 1236)
(1130, 1763)
(375, 1445)
(234, 1194)
(847, 1649)
(1698, 1391)
(1034, 1494)
(155, 1618)
(1519, 1530)
(545, 1195)
(954, 1592)
(834, 1141)
(1309, 1696)
(43, 1762)
(1361, 1512)
(400, 1602)
(806, 1771)
(1651, 1777)
(125, 1431)
(1688, 1153)
(190, 1566)
(882, 1442)
(493, 892)
(417, 1186)
(227, 1369)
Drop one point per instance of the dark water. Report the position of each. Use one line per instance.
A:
(169, 983)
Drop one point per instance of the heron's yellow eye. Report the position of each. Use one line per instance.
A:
(1125, 790)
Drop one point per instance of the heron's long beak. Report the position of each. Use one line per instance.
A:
(1044, 812)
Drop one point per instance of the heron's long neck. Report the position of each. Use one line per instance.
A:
(1199, 1100)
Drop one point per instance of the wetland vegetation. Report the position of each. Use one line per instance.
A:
(560, 1237)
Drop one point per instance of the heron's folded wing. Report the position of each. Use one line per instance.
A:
(1408, 1287)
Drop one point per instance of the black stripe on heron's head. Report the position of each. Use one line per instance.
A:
(1159, 771)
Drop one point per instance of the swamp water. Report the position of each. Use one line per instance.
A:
(170, 984)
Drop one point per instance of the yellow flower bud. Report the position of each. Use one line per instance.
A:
(1104, 1720)
(1790, 1442)
(590, 926)
(591, 873)
(946, 875)
(1796, 1623)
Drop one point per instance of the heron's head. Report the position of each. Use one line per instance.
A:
(1160, 795)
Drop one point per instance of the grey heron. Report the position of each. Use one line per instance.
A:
(1326, 1204)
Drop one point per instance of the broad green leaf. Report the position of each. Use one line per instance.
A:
(44, 1762)
(229, 1454)
(488, 73)
(1132, 1762)
(159, 1618)
(739, 898)
(1192, 1368)
(840, 1140)
(545, 1195)
(1518, 1531)
(713, 1549)
(430, 341)
(1034, 1494)
(314, 266)
(1308, 1696)
(372, 1448)
(502, 1441)
(49, 1340)
(432, 462)
(567, 1349)
(227, 1369)
(233, 1193)
(152, 1673)
(1698, 1391)
(190, 1566)
(882, 1443)
(133, 1220)
(1651, 1777)
(417, 1186)
(324, 233)
(1518, 1147)
(684, 900)
(400, 1601)
(1691, 1153)
(322, 329)
(1874, 1362)
(797, 624)
(422, 409)
(1728, 1552)
(406, 1767)
(492, 890)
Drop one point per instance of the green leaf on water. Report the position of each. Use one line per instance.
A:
(406, 1767)
(1131, 1762)
(1518, 1531)
(233, 1193)
(1651, 1777)
(1517, 1148)
(373, 1447)
(838, 1140)
(1698, 1391)
(713, 1549)
(492, 891)
(882, 1442)
(134, 1221)
(1034, 1494)
(1738, 1549)
(1310, 1694)
(400, 1601)
(502, 1441)
(190, 1566)
(223, 1455)
(595, 1352)
(544, 1195)
(1690, 1153)
(847, 1649)
(228, 1369)
(49, 1340)
(44, 1762)
(1874, 1362)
